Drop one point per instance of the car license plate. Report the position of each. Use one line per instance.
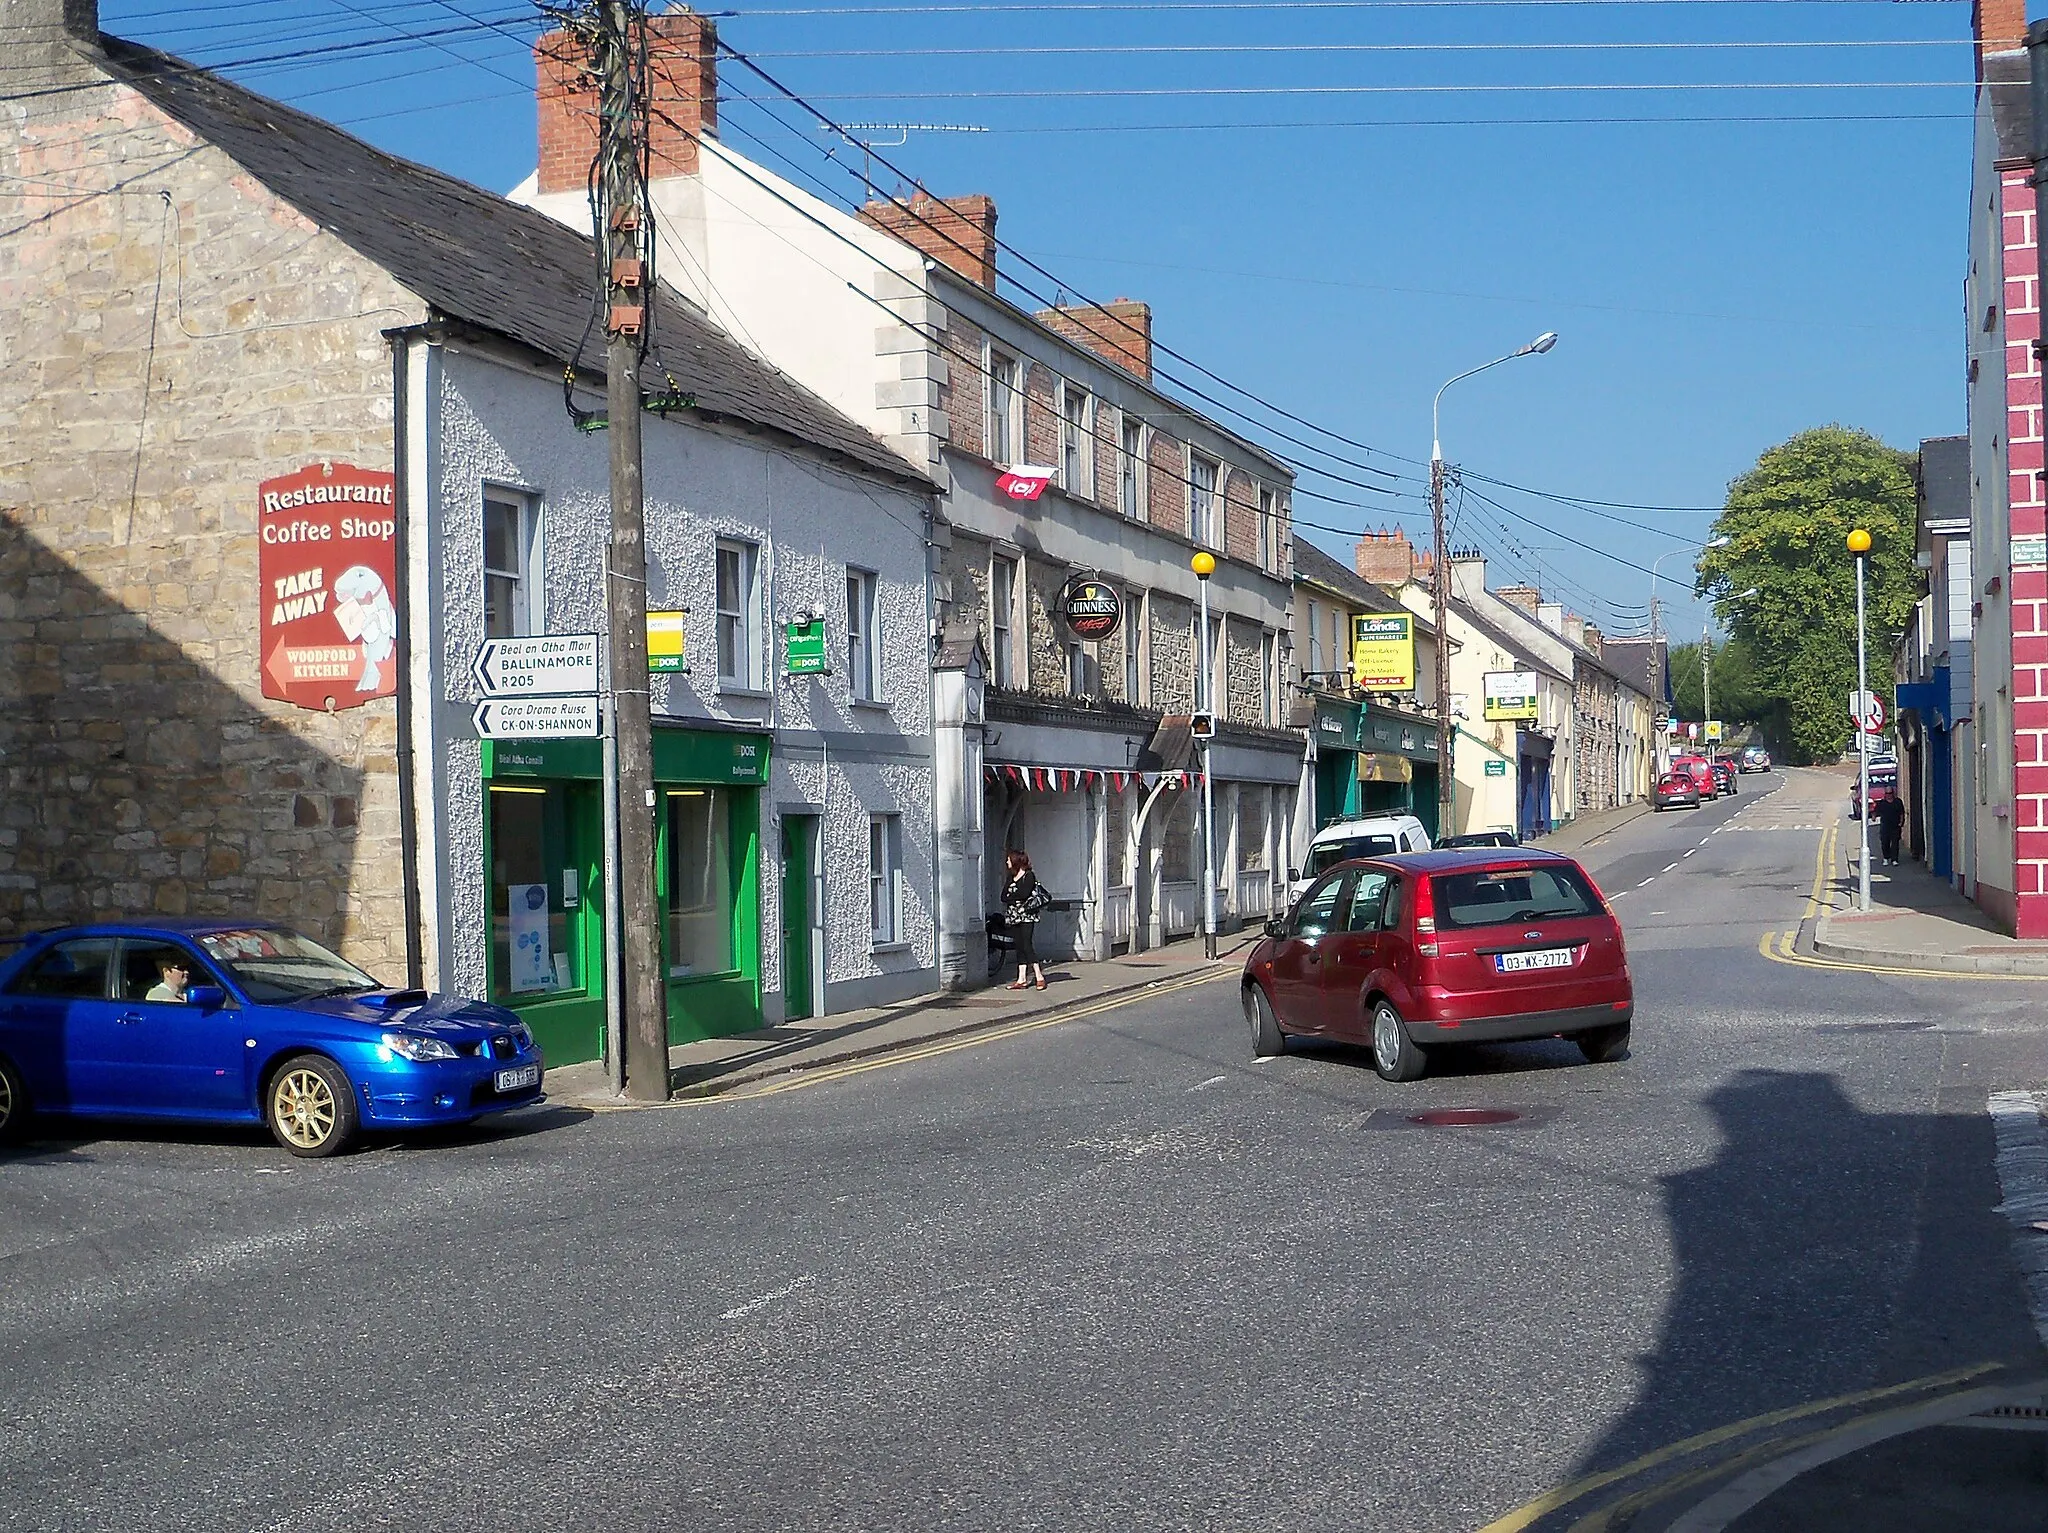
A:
(517, 1080)
(1542, 958)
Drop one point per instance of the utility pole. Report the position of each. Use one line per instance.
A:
(1706, 686)
(1440, 595)
(622, 233)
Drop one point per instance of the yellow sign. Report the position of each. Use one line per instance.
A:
(1383, 653)
(1384, 766)
(665, 641)
(1509, 696)
(1713, 729)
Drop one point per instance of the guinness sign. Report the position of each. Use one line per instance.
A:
(1091, 608)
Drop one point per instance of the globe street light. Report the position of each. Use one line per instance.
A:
(1440, 583)
(1204, 565)
(1859, 549)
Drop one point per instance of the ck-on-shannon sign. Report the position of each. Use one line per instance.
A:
(327, 565)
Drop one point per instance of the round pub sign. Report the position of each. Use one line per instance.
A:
(1091, 607)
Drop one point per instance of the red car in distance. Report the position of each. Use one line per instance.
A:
(1409, 954)
(1677, 790)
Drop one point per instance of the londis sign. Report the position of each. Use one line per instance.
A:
(327, 563)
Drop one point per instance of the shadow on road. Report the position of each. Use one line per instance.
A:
(81, 1140)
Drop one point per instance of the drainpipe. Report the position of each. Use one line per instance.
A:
(408, 810)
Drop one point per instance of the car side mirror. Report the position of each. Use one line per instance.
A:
(1276, 928)
(1294, 875)
(206, 997)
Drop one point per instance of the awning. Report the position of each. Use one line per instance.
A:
(1929, 699)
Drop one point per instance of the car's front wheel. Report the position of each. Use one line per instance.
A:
(1268, 1041)
(1394, 1054)
(1604, 1045)
(13, 1103)
(310, 1106)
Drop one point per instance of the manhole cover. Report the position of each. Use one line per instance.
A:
(1463, 1117)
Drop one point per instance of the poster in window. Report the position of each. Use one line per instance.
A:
(327, 571)
(532, 965)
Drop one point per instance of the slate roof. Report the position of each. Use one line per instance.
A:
(2012, 117)
(1644, 664)
(479, 259)
(1945, 479)
(1524, 660)
(1314, 565)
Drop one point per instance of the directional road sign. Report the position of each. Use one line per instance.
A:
(536, 718)
(540, 665)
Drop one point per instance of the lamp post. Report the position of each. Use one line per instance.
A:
(1656, 616)
(1204, 565)
(1440, 587)
(1859, 548)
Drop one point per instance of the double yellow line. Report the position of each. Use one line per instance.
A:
(825, 1073)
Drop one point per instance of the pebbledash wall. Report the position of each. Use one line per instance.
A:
(498, 422)
(169, 344)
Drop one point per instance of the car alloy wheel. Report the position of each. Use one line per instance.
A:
(13, 1103)
(311, 1106)
(1394, 1054)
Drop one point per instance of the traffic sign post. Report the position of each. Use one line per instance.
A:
(536, 718)
(538, 665)
(1866, 711)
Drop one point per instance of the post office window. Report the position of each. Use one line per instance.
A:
(739, 613)
(535, 890)
(700, 934)
(74, 970)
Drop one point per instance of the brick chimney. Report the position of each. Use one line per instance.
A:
(2000, 26)
(682, 62)
(1523, 598)
(1120, 330)
(1593, 639)
(960, 231)
(1387, 558)
(1575, 628)
(41, 34)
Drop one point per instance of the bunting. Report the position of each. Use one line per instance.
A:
(1080, 779)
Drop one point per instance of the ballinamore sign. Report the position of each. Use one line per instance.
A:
(327, 568)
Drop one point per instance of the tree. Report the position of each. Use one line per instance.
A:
(1738, 698)
(1786, 523)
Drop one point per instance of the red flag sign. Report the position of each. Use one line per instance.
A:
(1023, 482)
(327, 563)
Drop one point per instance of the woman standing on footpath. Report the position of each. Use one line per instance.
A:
(1024, 898)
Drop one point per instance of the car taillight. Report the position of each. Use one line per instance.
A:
(1425, 904)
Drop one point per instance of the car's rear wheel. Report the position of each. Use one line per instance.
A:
(13, 1103)
(1394, 1054)
(1268, 1041)
(310, 1106)
(1604, 1045)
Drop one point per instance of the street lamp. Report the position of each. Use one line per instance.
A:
(1204, 565)
(1656, 622)
(1706, 657)
(1859, 548)
(1440, 584)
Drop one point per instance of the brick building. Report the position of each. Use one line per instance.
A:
(253, 336)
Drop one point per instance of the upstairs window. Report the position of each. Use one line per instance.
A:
(1268, 520)
(1002, 408)
(862, 660)
(1130, 478)
(739, 614)
(512, 604)
(1077, 441)
(1002, 606)
(1202, 475)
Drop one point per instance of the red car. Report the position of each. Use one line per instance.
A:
(1677, 790)
(1442, 948)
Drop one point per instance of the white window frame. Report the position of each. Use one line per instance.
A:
(1315, 645)
(1077, 668)
(742, 622)
(1268, 525)
(1269, 665)
(1134, 482)
(528, 581)
(885, 880)
(1077, 440)
(863, 635)
(1004, 430)
(1202, 500)
(1134, 648)
(1002, 619)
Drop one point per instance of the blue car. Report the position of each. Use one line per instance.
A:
(244, 1022)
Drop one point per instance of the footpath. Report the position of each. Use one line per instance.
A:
(714, 1065)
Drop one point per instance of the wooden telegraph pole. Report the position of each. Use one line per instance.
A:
(622, 233)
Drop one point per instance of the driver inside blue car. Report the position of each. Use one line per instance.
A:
(173, 977)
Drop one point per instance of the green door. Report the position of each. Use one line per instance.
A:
(799, 834)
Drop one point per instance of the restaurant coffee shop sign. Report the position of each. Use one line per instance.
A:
(327, 566)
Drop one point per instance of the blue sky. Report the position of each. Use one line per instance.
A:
(1718, 285)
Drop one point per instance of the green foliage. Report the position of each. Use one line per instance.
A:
(1738, 697)
(1786, 522)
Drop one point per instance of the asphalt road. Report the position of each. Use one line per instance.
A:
(1111, 1274)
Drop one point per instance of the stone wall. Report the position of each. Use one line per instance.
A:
(1244, 692)
(1045, 634)
(1172, 635)
(164, 357)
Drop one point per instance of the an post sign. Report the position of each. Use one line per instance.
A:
(1383, 653)
(665, 642)
(327, 566)
(1509, 696)
(804, 652)
(1091, 607)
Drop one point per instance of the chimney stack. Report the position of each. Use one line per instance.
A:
(1593, 639)
(960, 231)
(1522, 598)
(1120, 330)
(1386, 558)
(682, 63)
(2000, 26)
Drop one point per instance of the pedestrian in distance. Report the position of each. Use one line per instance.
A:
(1891, 815)
(173, 978)
(1024, 900)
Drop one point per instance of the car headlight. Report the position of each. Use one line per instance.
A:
(416, 1048)
(522, 1035)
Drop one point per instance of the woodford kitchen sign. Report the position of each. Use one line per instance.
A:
(327, 564)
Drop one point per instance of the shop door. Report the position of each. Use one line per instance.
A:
(799, 843)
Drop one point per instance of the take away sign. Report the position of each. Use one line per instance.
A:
(326, 565)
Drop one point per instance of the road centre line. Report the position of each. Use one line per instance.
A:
(1527, 1515)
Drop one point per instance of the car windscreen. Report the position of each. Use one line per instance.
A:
(1496, 896)
(1329, 853)
(275, 965)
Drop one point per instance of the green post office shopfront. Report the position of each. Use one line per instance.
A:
(1373, 760)
(544, 848)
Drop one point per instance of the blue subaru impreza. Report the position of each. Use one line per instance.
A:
(241, 1022)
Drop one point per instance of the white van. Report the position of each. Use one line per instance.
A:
(1373, 836)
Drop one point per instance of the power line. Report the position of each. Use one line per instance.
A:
(1611, 87)
(1121, 50)
(1045, 7)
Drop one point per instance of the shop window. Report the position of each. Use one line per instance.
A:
(862, 659)
(885, 897)
(536, 891)
(700, 935)
(512, 580)
(739, 614)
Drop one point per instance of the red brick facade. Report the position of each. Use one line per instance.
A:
(959, 231)
(2029, 587)
(1120, 330)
